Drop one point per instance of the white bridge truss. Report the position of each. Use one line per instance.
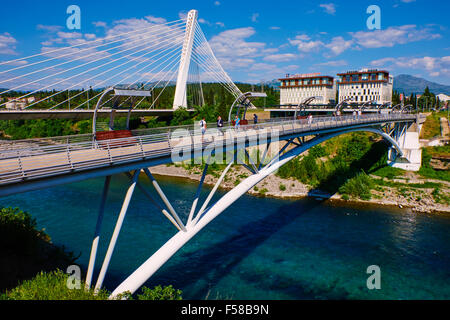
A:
(275, 153)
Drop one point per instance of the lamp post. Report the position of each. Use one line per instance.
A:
(241, 99)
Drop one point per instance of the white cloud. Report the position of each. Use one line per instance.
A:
(99, 24)
(203, 21)
(392, 36)
(281, 57)
(434, 66)
(232, 48)
(69, 35)
(216, 3)
(182, 15)
(52, 29)
(329, 8)
(255, 17)
(302, 37)
(339, 45)
(7, 44)
(304, 45)
(90, 36)
(16, 63)
(262, 67)
(334, 63)
(156, 20)
(220, 24)
(275, 28)
(389, 37)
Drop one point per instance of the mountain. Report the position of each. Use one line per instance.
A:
(408, 84)
(273, 84)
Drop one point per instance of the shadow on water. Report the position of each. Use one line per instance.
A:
(216, 261)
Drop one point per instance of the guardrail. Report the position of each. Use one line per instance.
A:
(61, 155)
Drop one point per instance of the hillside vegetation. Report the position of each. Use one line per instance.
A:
(31, 266)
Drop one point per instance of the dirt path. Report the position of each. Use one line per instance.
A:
(445, 127)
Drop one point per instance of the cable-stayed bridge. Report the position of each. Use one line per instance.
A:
(261, 147)
(148, 61)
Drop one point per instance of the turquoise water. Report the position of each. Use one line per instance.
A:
(259, 248)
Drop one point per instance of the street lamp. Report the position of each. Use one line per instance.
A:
(245, 100)
(302, 105)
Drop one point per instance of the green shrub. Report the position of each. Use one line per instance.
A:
(25, 250)
(18, 231)
(160, 293)
(282, 187)
(359, 186)
(318, 151)
(52, 286)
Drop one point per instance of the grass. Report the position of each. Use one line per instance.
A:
(439, 151)
(358, 187)
(392, 184)
(427, 171)
(432, 126)
(53, 286)
(30, 266)
(388, 172)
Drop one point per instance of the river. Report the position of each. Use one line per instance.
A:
(259, 248)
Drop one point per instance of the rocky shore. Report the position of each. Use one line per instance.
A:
(274, 186)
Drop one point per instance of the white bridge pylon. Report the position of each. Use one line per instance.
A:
(196, 49)
(180, 99)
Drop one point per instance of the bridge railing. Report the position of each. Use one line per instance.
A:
(40, 161)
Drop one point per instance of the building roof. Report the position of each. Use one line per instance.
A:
(305, 76)
(363, 71)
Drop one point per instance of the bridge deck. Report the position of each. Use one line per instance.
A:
(40, 158)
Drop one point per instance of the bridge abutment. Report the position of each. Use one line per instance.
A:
(408, 140)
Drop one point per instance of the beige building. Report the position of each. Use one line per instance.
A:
(294, 89)
(365, 86)
(19, 104)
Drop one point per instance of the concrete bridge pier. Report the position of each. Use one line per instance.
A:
(407, 137)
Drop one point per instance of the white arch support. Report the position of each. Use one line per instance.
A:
(161, 256)
(180, 90)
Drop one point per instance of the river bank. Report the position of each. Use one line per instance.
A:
(419, 200)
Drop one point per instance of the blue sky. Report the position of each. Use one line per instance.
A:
(262, 40)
